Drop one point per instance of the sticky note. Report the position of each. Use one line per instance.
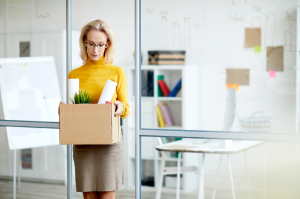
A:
(235, 86)
(272, 73)
(252, 37)
(257, 49)
(25, 65)
(275, 57)
(237, 76)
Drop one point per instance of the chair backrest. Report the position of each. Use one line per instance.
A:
(159, 140)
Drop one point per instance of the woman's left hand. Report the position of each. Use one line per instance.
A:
(120, 108)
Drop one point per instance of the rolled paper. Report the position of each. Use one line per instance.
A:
(107, 92)
(73, 87)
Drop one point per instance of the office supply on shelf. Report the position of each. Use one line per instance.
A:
(166, 114)
(162, 84)
(73, 87)
(159, 91)
(159, 116)
(107, 92)
(176, 89)
(166, 57)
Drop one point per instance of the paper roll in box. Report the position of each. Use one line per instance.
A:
(88, 124)
(164, 57)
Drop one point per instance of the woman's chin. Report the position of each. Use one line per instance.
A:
(93, 58)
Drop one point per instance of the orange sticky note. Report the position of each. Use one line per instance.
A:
(236, 86)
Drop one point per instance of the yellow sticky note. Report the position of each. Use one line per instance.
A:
(257, 49)
(25, 65)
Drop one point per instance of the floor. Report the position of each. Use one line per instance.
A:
(54, 191)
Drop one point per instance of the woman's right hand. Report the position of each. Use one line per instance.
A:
(61, 102)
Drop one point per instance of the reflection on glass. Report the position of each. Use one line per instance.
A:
(247, 169)
(35, 161)
(26, 158)
(32, 59)
(214, 48)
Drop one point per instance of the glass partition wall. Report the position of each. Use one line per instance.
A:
(215, 76)
(213, 88)
(33, 81)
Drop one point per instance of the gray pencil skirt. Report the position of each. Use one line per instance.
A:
(98, 167)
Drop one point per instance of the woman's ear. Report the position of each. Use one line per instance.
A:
(108, 43)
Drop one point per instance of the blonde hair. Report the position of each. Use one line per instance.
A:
(104, 27)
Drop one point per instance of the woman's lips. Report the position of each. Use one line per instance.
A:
(95, 55)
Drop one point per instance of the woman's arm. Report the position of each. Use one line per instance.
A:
(122, 94)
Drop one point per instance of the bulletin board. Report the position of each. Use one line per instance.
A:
(30, 92)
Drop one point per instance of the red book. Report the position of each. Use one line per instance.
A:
(163, 86)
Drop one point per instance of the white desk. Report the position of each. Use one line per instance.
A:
(212, 147)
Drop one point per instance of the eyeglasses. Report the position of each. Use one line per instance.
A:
(90, 44)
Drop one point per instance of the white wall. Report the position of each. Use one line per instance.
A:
(220, 46)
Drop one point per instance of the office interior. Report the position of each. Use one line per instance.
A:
(239, 72)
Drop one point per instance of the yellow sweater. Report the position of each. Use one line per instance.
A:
(92, 78)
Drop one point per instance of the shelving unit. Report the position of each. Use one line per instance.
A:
(184, 109)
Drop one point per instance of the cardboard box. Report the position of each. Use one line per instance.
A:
(93, 124)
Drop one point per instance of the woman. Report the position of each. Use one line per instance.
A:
(99, 168)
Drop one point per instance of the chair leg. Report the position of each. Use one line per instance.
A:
(247, 173)
(231, 178)
(217, 179)
(161, 177)
(201, 181)
(178, 176)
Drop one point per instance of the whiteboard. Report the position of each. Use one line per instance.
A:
(30, 92)
(212, 32)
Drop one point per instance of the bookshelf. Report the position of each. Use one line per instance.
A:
(184, 108)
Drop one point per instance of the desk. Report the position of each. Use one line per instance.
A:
(212, 147)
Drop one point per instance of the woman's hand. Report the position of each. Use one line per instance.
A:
(58, 106)
(120, 108)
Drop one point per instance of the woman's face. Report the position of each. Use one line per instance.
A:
(96, 38)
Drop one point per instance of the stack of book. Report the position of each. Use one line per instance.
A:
(164, 115)
(163, 89)
(166, 57)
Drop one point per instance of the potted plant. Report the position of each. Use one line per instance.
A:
(82, 97)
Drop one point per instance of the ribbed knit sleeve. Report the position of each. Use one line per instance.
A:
(122, 93)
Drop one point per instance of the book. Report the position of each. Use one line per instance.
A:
(147, 83)
(159, 91)
(159, 116)
(166, 113)
(150, 82)
(176, 89)
(162, 84)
